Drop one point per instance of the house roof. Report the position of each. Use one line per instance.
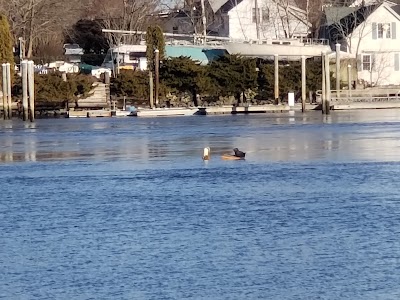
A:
(337, 29)
(396, 8)
(218, 4)
(335, 14)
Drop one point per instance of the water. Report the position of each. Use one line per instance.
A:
(126, 208)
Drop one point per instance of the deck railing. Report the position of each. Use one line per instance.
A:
(352, 96)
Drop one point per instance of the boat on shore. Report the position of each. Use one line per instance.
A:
(167, 112)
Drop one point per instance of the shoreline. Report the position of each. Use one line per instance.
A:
(210, 110)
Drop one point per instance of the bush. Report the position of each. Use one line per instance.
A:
(131, 83)
(51, 91)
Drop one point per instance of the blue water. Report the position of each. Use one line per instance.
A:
(126, 208)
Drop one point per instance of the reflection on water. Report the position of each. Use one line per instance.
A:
(353, 135)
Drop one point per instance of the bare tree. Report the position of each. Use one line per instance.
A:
(284, 17)
(33, 19)
(352, 28)
(314, 12)
(381, 67)
(129, 15)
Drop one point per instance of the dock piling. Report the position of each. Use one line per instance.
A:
(5, 90)
(323, 94)
(24, 75)
(349, 80)
(31, 90)
(303, 83)
(276, 75)
(157, 75)
(327, 85)
(151, 89)
(8, 72)
(337, 70)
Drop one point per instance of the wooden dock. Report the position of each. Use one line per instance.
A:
(88, 113)
(366, 105)
(253, 109)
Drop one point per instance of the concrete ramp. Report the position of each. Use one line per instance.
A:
(99, 98)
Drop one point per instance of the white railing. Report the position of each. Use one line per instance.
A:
(198, 39)
(352, 96)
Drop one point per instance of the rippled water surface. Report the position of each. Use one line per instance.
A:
(126, 208)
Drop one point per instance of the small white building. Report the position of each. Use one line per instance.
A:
(126, 57)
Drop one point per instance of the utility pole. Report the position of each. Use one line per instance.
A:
(203, 13)
(257, 15)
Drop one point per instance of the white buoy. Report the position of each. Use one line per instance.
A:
(206, 153)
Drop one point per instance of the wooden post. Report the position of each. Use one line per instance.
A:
(5, 90)
(106, 78)
(24, 75)
(303, 83)
(157, 79)
(337, 70)
(323, 94)
(8, 66)
(276, 86)
(151, 89)
(124, 108)
(327, 85)
(349, 79)
(31, 90)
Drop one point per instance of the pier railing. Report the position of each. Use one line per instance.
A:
(364, 96)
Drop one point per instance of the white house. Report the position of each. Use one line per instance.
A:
(377, 45)
(374, 41)
(277, 19)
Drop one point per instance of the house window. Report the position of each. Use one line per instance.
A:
(384, 30)
(366, 62)
(134, 56)
(254, 15)
(263, 15)
(175, 29)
